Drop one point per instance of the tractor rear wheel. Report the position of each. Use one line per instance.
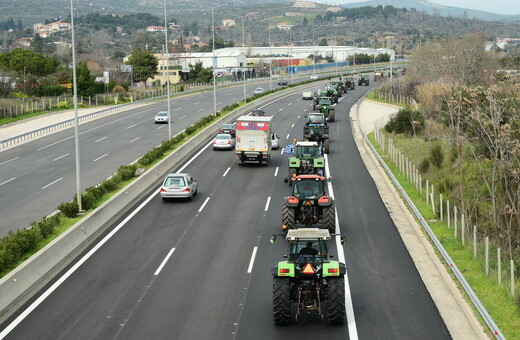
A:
(288, 216)
(326, 146)
(281, 301)
(329, 218)
(336, 300)
(332, 116)
(292, 173)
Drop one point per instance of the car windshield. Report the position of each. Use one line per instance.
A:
(306, 151)
(223, 137)
(295, 251)
(175, 182)
(162, 113)
(259, 89)
(308, 189)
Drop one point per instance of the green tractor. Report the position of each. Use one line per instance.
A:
(350, 83)
(340, 86)
(326, 106)
(317, 95)
(309, 204)
(332, 92)
(308, 278)
(318, 132)
(307, 160)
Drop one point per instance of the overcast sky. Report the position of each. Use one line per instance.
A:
(511, 7)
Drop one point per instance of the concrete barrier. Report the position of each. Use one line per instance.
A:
(26, 280)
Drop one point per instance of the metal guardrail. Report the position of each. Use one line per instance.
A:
(455, 270)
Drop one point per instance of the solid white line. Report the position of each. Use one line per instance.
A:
(75, 267)
(280, 110)
(9, 180)
(97, 159)
(65, 155)
(287, 136)
(193, 158)
(204, 204)
(292, 125)
(340, 99)
(9, 161)
(48, 185)
(133, 140)
(276, 171)
(182, 117)
(351, 319)
(131, 126)
(225, 173)
(267, 203)
(99, 140)
(164, 262)
(252, 261)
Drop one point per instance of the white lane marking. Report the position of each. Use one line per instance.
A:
(196, 103)
(280, 110)
(298, 117)
(160, 127)
(281, 152)
(219, 103)
(48, 185)
(131, 126)
(287, 136)
(267, 203)
(276, 171)
(252, 261)
(9, 180)
(182, 117)
(75, 267)
(9, 161)
(65, 155)
(289, 104)
(164, 262)
(97, 159)
(292, 126)
(177, 109)
(351, 319)
(99, 140)
(133, 140)
(340, 99)
(201, 110)
(194, 157)
(233, 98)
(225, 173)
(204, 204)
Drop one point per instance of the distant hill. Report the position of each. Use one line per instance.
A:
(33, 11)
(434, 8)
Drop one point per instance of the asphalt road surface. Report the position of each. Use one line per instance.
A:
(186, 270)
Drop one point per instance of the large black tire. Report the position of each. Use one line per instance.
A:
(336, 300)
(288, 216)
(326, 146)
(281, 301)
(332, 116)
(292, 171)
(329, 218)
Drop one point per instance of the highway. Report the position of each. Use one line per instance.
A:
(186, 270)
(37, 176)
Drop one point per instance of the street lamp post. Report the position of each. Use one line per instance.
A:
(76, 119)
(270, 57)
(313, 52)
(214, 63)
(167, 70)
(244, 66)
(290, 57)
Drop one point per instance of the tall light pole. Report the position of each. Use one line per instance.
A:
(76, 119)
(290, 58)
(214, 63)
(244, 51)
(313, 52)
(270, 57)
(167, 68)
(336, 57)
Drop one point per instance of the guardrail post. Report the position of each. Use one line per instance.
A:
(499, 266)
(440, 207)
(448, 212)
(512, 268)
(486, 254)
(432, 200)
(462, 228)
(420, 184)
(474, 242)
(427, 187)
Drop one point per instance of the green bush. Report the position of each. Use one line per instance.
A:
(436, 156)
(108, 185)
(98, 191)
(88, 200)
(46, 225)
(424, 166)
(127, 171)
(406, 121)
(69, 209)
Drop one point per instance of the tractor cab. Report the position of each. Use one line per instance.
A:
(308, 187)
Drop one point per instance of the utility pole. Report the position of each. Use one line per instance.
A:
(167, 70)
(270, 57)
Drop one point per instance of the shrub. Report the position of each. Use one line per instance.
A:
(127, 171)
(46, 225)
(406, 121)
(97, 191)
(436, 155)
(69, 209)
(424, 166)
(108, 185)
(88, 200)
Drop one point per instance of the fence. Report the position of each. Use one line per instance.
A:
(396, 98)
(446, 211)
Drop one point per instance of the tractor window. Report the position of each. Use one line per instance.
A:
(307, 152)
(325, 101)
(315, 130)
(296, 247)
(310, 189)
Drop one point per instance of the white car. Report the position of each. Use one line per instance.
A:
(258, 90)
(223, 141)
(161, 117)
(314, 76)
(178, 185)
(275, 141)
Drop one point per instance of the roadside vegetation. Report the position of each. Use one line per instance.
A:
(465, 140)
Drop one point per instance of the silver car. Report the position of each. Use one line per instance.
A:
(275, 141)
(161, 117)
(178, 185)
(223, 141)
(258, 90)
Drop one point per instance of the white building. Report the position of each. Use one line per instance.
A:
(155, 29)
(224, 58)
(46, 30)
(305, 4)
(228, 22)
(284, 26)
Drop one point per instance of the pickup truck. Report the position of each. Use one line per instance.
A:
(307, 95)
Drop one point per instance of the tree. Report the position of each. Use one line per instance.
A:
(199, 74)
(87, 85)
(323, 42)
(305, 22)
(23, 61)
(144, 63)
